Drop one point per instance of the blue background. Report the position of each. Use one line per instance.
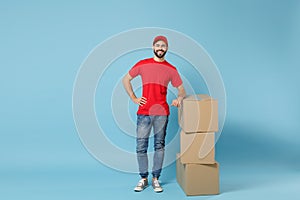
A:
(255, 45)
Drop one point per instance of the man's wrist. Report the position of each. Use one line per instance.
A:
(132, 96)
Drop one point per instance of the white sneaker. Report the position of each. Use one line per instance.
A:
(156, 186)
(142, 184)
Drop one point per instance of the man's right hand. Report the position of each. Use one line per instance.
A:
(141, 101)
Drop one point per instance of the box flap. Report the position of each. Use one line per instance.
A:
(198, 97)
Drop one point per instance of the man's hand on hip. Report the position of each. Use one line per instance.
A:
(141, 101)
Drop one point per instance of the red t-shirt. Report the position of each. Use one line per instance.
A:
(155, 79)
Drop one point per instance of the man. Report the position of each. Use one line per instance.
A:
(153, 110)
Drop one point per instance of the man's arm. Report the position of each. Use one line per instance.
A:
(181, 95)
(128, 87)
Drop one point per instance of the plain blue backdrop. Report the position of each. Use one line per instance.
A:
(254, 43)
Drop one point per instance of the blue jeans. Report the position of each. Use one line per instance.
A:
(144, 126)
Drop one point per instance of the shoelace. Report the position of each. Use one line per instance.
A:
(156, 183)
(141, 183)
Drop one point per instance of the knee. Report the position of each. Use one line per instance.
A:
(142, 146)
(141, 151)
(159, 145)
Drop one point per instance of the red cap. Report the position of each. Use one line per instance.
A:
(160, 37)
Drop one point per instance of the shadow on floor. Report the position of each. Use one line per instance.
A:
(248, 156)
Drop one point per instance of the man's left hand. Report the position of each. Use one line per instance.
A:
(176, 103)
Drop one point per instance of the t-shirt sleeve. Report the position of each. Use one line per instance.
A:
(135, 70)
(176, 79)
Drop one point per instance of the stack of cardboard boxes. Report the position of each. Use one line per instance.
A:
(197, 171)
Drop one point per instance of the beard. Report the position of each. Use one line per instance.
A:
(160, 55)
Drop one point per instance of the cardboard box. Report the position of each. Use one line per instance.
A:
(197, 148)
(198, 113)
(198, 179)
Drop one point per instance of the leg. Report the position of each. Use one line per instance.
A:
(159, 126)
(143, 131)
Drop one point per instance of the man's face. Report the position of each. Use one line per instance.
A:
(160, 48)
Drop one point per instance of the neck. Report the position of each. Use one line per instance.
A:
(157, 59)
